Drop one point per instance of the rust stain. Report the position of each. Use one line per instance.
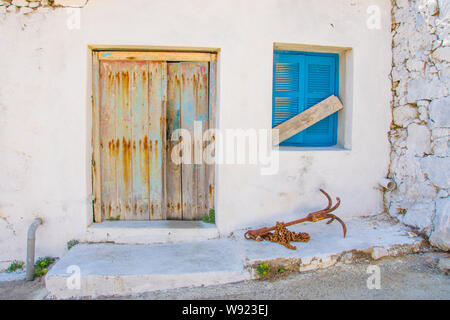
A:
(126, 158)
(150, 79)
(178, 206)
(125, 88)
(110, 81)
(146, 164)
(194, 80)
(211, 191)
(152, 210)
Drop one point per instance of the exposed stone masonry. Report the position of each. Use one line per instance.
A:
(420, 129)
(30, 6)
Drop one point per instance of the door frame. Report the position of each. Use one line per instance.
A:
(151, 54)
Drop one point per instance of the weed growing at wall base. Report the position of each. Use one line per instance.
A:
(41, 266)
(15, 265)
(211, 217)
(263, 269)
(71, 244)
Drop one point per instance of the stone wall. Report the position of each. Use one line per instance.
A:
(420, 128)
(30, 6)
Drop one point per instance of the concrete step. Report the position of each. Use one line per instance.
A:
(148, 232)
(120, 269)
(112, 269)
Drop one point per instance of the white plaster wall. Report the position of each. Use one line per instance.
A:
(45, 111)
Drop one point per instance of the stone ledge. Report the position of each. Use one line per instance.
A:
(374, 237)
(109, 269)
(148, 232)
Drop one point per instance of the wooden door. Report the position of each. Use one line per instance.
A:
(132, 131)
(137, 105)
(187, 108)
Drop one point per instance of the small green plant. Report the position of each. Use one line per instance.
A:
(71, 244)
(263, 269)
(41, 266)
(117, 218)
(15, 265)
(211, 217)
(281, 269)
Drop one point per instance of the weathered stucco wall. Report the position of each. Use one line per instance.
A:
(45, 117)
(420, 130)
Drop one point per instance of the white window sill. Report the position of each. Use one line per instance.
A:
(331, 148)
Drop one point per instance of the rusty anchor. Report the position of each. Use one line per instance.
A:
(284, 236)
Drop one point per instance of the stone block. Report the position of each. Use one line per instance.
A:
(441, 235)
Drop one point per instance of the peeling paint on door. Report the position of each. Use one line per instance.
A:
(140, 104)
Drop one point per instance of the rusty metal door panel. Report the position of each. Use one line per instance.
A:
(131, 118)
(123, 136)
(138, 179)
(212, 125)
(194, 106)
(109, 83)
(157, 132)
(201, 116)
(140, 128)
(188, 170)
(173, 170)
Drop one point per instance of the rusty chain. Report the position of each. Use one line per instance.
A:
(280, 234)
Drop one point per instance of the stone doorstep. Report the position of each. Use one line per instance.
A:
(120, 269)
(114, 269)
(149, 232)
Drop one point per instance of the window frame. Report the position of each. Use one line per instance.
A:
(335, 116)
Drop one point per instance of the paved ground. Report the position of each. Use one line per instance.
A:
(411, 277)
(23, 290)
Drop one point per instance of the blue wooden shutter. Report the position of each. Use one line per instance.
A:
(287, 93)
(300, 81)
(319, 84)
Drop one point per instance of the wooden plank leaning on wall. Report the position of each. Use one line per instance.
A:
(307, 118)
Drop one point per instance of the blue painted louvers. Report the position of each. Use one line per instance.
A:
(300, 80)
